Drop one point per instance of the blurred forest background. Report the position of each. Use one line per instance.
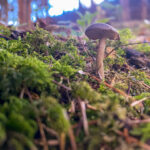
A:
(19, 12)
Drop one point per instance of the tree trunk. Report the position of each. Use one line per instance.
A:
(28, 10)
(125, 9)
(4, 10)
(24, 12)
(144, 5)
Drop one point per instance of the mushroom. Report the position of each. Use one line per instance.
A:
(102, 32)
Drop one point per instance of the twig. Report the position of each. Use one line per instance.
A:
(62, 85)
(135, 43)
(49, 142)
(52, 142)
(139, 101)
(113, 80)
(62, 141)
(145, 85)
(91, 107)
(84, 117)
(51, 131)
(22, 93)
(148, 76)
(45, 145)
(134, 140)
(92, 122)
(129, 88)
(125, 45)
(72, 139)
(42, 134)
(130, 122)
(111, 87)
(71, 135)
(72, 108)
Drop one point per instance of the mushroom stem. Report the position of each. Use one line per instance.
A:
(100, 58)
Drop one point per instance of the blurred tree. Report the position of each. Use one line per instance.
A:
(4, 10)
(44, 6)
(125, 9)
(24, 12)
(44, 3)
(144, 11)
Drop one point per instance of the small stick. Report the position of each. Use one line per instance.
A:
(139, 101)
(84, 117)
(125, 45)
(72, 108)
(62, 141)
(92, 122)
(22, 93)
(72, 139)
(51, 131)
(45, 145)
(113, 80)
(134, 140)
(91, 107)
(42, 134)
(49, 142)
(111, 87)
(52, 142)
(129, 88)
(61, 85)
(71, 136)
(138, 121)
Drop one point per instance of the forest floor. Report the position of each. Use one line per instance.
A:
(52, 98)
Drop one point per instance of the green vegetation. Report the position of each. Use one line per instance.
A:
(43, 82)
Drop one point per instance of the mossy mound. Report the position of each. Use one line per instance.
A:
(51, 97)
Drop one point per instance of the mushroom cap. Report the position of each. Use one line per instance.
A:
(102, 30)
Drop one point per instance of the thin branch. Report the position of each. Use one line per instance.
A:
(45, 145)
(49, 142)
(125, 45)
(139, 101)
(72, 108)
(42, 134)
(52, 142)
(72, 139)
(62, 85)
(50, 131)
(131, 122)
(62, 141)
(71, 136)
(134, 140)
(135, 43)
(91, 107)
(84, 117)
(111, 87)
(22, 93)
(92, 122)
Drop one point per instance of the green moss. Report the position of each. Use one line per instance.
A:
(57, 118)
(5, 31)
(16, 122)
(140, 76)
(85, 92)
(143, 131)
(126, 35)
(143, 47)
(40, 41)
(17, 73)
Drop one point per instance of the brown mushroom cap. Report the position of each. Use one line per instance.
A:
(101, 30)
